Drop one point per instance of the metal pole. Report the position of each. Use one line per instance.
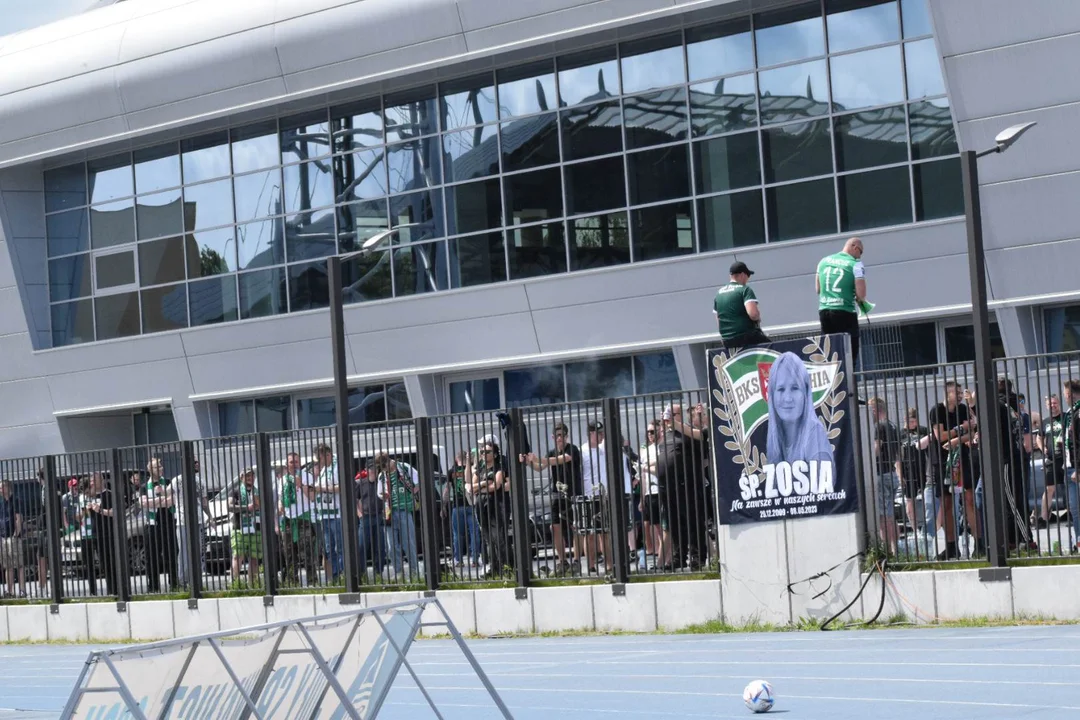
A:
(519, 503)
(53, 531)
(990, 457)
(120, 528)
(429, 518)
(268, 523)
(349, 534)
(192, 513)
(616, 495)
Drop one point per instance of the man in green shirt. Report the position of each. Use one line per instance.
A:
(736, 310)
(840, 284)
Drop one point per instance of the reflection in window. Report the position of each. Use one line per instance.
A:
(360, 176)
(894, 346)
(466, 102)
(793, 92)
(534, 196)
(110, 178)
(534, 386)
(357, 126)
(724, 105)
(471, 154)
(870, 138)
(655, 373)
(308, 287)
(262, 293)
(592, 130)
(529, 142)
(308, 185)
(730, 221)
(205, 158)
(875, 199)
(588, 76)
(1061, 326)
(65, 187)
(598, 379)
(600, 241)
(475, 395)
(160, 214)
(164, 308)
(208, 205)
(932, 131)
(853, 24)
(960, 343)
(157, 168)
(916, 18)
(595, 186)
(722, 49)
(305, 138)
(786, 35)
(114, 270)
(72, 323)
(662, 174)
(527, 89)
(112, 224)
(161, 261)
(367, 277)
(655, 119)
(67, 232)
(413, 165)
(213, 301)
(801, 210)
(359, 222)
(411, 115)
(425, 208)
(117, 316)
(260, 244)
(924, 76)
(477, 260)
(255, 147)
(652, 63)
(211, 252)
(726, 163)
(420, 268)
(866, 79)
(310, 235)
(315, 412)
(257, 195)
(474, 206)
(69, 277)
(536, 250)
(938, 190)
(663, 231)
(797, 151)
(236, 418)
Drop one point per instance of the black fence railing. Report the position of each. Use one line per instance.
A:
(925, 490)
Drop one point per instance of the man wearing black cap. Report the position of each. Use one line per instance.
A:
(736, 310)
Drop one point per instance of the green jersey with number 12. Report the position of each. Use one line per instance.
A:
(836, 278)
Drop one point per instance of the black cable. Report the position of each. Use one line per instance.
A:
(880, 568)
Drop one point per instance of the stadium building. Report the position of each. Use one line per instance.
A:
(575, 176)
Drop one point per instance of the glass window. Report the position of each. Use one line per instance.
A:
(527, 89)
(420, 268)
(305, 137)
(723, 106)
(478, 260)
(208, 205)
(661, 174)
(367, 404)
(113, 224)
(924, 78)
(164, 308)
(114, 270)
(308, 286)
(875, 199)
(529, 142)
(536, 250)
(117, 315)
(424, 207)
(534, 386)
(161, 261)
(360, 176)
(853, 24)
(474, 206)
(367, 277)
(359, 222)
(730, 221)
(596, 185)
(272, 414)
(310, 235)
(867, 78)
(110, 178)
(69, 278)
(357, 126)
(260, 244)
(797, 151)
(308, 185)
(213, 301)
(205, 158)
(870, 138)
(411, 115)
(469, 101)
(939, 191)
(397, 402)
(592, 130)
(721, 49)
(793, 91)
(655, 373)
(471, 154)
(532, 197)
(255, 147)
(68, 232)
(801, 210)
(790, 34)
(315, 412)
(652, 63)
(916, 16)
(72, 323)
(600, 241)
(65, 187)
(663, 231)
(262, 293)
(236, 418)
(932, 131)
(656, 118)
(160, 214)
(1061, 325)
(588, 76)
(413, 165)
(960, 343)
(475, 395)
(726, 163)
(599, 379)
(211, 252)
(257, 195)
(896, 346)
(157, 168)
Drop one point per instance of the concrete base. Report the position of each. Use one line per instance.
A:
(754, 573)
(105, 624)
(4, 637)
(28, 623)
(69, 623)
(1047, 592)
(633, 612)
(460, 605)
(198, 621)
(682, 603)
(499, 612)
(290, 607)
(960, 594)
(240, 612)
(814, 545)
(559, 609)
(908, 594)
(153, 619)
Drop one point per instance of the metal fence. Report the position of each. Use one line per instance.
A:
(925, 490)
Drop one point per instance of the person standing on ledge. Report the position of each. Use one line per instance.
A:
(736, 310)
(841, 288)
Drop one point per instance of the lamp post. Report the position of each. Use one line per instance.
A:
(990, 441)
(347, 491)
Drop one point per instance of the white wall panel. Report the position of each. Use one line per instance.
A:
(964, 26)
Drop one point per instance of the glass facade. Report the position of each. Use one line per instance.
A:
(373, 403)
(823, 118)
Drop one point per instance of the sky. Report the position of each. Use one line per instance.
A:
(19, 15)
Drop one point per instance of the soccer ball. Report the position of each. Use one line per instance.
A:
(758, 696)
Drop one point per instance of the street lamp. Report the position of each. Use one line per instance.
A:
(349, 537)
(990, 441)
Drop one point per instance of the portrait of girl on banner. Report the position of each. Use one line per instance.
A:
(795, 433)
